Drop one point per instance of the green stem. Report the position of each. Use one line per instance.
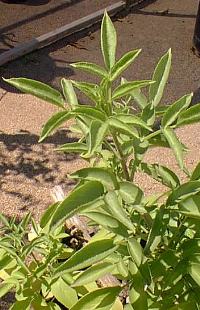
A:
(109, 146)
(121, 155)
(152, 135)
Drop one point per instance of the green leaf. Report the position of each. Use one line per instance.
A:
(190, 207)
(157, 230)
(117, 210)
(77, 199)
(139, 98)
(54, 122)
(37, 89)
(133, 120)
(69, 93)
(88, 255)
(22, 304)
(160, 76)
(137, 295)
(92, 113)
(66, 295)
(93, 273)
(175, 145)
(194, 271)
(100, 299)
(174, 110)
(196, 173)
(123, 63)
(190, 116)
(108, 41)
(5, 288)
(135, 251)
(148, 114)
(74, 147)
(103, 175)
(89, 89)
(109, 222)
(97, 133)
(161, 174)
(130, 193)
(184, 191)
(91, 68)
(127, 87)
(121, 127)
(47, 215)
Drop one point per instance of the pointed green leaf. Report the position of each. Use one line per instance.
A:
(175, 145)
(196, 173)
(54, 122)
(161, 174)
(90, 254)
(184, 191)
(47, 215)
(37, 89)
(130, 193)
(174, 110)
(108, 41)
(194, 271)
(133, 120)
(22, 304)
(69, 93)
(139, 97)
(190, 207)
(123, 63)
(91, 68)
(190, 116)
(89, 89)
(160, 77)
(78, 198)
(66, 295)
(93, 273)
(109, 222)
(93, 113)
(103, 175)
(101, 299)
(135, 251)
(74, 147)
(117, 209)
(97, 133)
(127, 87)
(121, 127)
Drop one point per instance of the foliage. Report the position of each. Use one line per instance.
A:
(150, 244)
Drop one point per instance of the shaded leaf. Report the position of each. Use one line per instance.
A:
(74, 147)
(97, 133)
(130, 193)
(135, 251)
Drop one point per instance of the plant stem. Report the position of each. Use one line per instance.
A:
(152, 135)
(121, 155)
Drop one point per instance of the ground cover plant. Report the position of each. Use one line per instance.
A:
(148, 247)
